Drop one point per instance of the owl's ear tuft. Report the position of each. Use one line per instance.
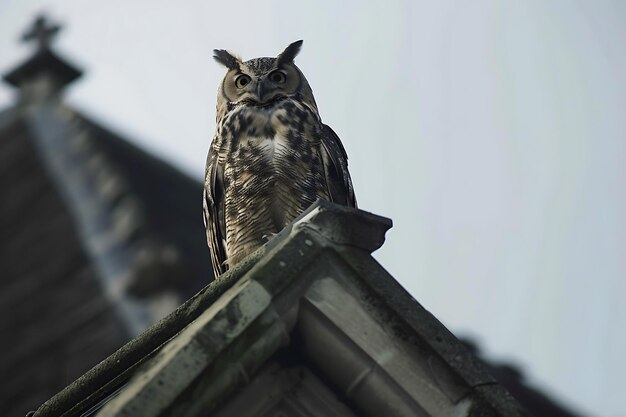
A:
(290, 52)
(227, 59)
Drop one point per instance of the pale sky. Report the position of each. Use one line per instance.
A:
(491, 132)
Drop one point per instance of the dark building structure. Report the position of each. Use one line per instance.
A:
(100, 240)
(310, 325)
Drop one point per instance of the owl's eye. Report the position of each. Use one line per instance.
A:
(277, 77)
(242, 80)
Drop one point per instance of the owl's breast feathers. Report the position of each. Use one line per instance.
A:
(267, 165)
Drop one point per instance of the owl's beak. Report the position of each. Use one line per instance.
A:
(261, 89)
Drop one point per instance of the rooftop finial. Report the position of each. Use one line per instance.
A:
(45, 73)
(41, 31)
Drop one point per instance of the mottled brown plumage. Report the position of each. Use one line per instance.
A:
(271, 156)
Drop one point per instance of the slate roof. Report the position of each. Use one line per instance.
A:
(48, 266)
(513, 379)
(100, 239)
(55, 322)
(169, 199)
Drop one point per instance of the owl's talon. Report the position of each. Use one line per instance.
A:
(268, 237)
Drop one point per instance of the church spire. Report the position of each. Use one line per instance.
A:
(45, 74)
(42, 32)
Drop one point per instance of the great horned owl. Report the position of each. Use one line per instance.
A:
(271, 156)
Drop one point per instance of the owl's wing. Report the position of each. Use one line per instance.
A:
(213, 210)
(336, 168)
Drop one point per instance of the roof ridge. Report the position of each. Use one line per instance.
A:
(110, 219)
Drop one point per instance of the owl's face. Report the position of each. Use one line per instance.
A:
(262, 82)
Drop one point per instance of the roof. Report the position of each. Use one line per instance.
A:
(46, 61)
(138, 218)
(311, 307)
(171, 203)
(100, 239)
(101, 236)
(44, 269)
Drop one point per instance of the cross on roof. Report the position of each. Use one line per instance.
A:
(42, 32)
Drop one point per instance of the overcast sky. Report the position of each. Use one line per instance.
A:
(492, 133)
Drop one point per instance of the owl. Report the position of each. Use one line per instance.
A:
(271, 156)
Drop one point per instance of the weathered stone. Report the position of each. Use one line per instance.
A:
(313, 299)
